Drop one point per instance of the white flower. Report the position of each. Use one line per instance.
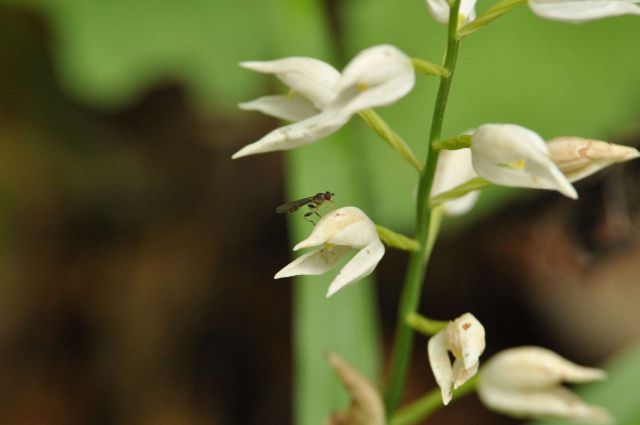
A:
(511, 155)
(323, 100)
(454, 168)
(439, 10)
(578, 11)
(366, 406)
(526, 382)
(336, 234)
(464, 337)
(578, 158)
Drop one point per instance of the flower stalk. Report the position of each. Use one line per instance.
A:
(396, 240)
(429, 403)
(412, 289)
(425, 325)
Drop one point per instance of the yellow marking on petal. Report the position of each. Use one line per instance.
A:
(519, 164)
(291, 93)
(362, 87)
(329, 246)
(515, 165)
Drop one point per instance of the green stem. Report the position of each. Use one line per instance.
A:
(424, 325)
(428, 404)
(425, 230)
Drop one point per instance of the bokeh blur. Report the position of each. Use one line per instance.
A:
(136, 258)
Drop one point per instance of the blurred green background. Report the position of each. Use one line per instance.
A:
(137, 258)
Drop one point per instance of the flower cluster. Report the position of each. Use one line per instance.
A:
(322, 100)
(521, 382)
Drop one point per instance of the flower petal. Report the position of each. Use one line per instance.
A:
(535, 367)
(360, 266)
(579, 11)
(313, 263)
(314, 79)
(285, 107)
(578, 158)
(377, 76)
(441, 365)
(511, 155)
(465, 338)
(439, 10)
(344, 226)
(461, 374)
(455, 168)
(558, 403)
(297, 134)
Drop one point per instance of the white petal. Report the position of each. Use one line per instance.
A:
(343, 226)
(285, 107)
(297, 134)
(377, 76)
(559, 403)
(578, 158)
(360, 266)
(578, 11)
(455, 168)
(314, 79)
(465, 338)
(461, 374)
(535, 367)
(495, 147)
(439, 10)
(313, 263)
(441, 366)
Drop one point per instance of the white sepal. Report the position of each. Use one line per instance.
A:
(526, 382)
(579, 11)
(316, 262)
(297, 134)
(578, 158)
(455, 168)
(377, 76)
(511, 155)
(312, 78)
(291, 107)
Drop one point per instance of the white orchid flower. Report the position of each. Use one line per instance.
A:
(454, 168)
(439, 10)
(579, 11)
(337, 233)
(578, 158)
(511, 155)
(526, 382)
(322, 100)
(366, 406)
(464, 338)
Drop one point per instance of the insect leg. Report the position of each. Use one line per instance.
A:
(307, 216)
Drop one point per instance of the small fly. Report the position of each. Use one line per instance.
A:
(313, 202)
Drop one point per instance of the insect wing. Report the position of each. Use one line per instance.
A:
(293, 205)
